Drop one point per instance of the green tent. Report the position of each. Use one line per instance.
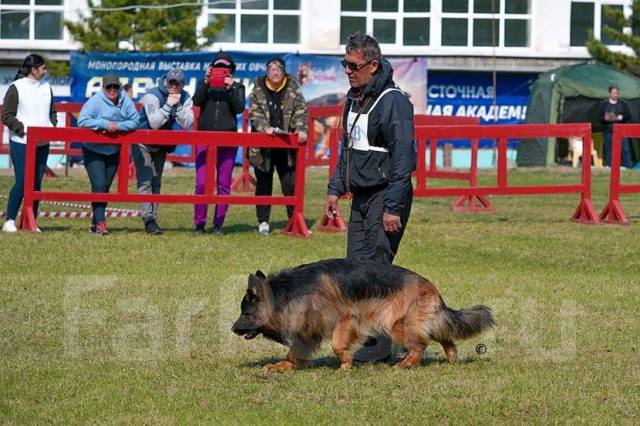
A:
(573, 94)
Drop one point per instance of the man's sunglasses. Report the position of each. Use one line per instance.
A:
(112, 87)
(352, 66)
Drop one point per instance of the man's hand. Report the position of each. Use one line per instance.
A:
(207, 73)
(228, 82)
(270, 130)
(302, 137)
(391, 223)
(331, 206)
(619, 117)
(113, 127)
(173, 99)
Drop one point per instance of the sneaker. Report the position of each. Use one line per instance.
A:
(263, 228)
(199, 229)
(101, 228)
(9, 226)
(217, 230)
(93, 228)
(151, 227)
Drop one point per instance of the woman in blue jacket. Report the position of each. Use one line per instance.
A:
(111, 111)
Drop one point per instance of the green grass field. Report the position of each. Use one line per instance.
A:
(135, 329)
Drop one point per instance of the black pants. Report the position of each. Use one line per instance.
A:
(264, 182)
(366, 236)
(101, 169)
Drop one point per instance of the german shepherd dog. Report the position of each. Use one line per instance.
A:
(348, 300)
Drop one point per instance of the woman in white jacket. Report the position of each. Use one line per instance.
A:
(27, 103)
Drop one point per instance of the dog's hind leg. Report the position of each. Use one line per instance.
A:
(413, 339)
(450, 351)
(345, 334)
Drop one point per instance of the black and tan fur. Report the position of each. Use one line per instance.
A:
(348, 300)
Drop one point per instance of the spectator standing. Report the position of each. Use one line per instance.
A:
(276, 105)
(162, 108)
(219, 107)
(615, 110)
(109, 111)
(28, 102)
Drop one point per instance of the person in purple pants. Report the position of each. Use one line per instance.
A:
(219, 106)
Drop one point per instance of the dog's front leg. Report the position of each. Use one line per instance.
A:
(288, 363)
(345, 333)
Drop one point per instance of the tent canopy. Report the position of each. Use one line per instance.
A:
(573, 94)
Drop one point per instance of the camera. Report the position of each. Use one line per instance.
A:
(217, 76)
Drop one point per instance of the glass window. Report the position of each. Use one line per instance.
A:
(455, 6)
(582, 18)
(416, 31)
(486, 32)
(286, 4)
(486, 6)
(351, 24)
(608, 21)
(454, 32)
(517, 6)
(353, 5)
(417, 5)
(14, 2)
(516, 33)
(384, 5)
(14, 25)
(228, 33)
(48, 25)
(254, 4)
(254, 28)
(49, 2)
(286, 29)
(223, 4)
(384, 30)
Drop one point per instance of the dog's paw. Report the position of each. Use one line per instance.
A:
(279, 366)
(345, 366)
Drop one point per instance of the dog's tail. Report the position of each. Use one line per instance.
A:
(462, 324)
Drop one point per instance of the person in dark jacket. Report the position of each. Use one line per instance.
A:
(376, 161)
(162, 108)
(276, 105)
(615, 110)
(219, 107)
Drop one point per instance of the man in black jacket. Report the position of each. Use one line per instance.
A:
(376, 161)
(615, 110)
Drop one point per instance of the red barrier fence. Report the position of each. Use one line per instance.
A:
(314, 113)
(584, 213)
(295, 227)
(613, 212)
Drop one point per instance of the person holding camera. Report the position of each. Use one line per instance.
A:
(276, 105)
(109, 111)
(220, 99)
(27, 103)
(162, 108)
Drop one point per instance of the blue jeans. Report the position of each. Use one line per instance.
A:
(101, 170)
(626, 151)
(18, 155)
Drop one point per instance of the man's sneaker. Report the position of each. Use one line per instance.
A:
(101, 228)
(151, 227)
(9, 226)
(263, 228)
(199, 229)
(217, 230)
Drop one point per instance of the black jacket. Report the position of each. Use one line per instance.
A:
(218, 106)
(619, 108)
(390, 126)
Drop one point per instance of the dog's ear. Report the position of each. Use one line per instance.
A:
(260, 274)
(254, 290)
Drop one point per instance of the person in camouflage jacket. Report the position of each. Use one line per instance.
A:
(276, 104)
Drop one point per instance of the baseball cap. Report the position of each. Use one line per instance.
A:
(110, 79)
(175, 75)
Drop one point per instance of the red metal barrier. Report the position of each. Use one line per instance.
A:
(245, 182)
(584, 213)
(295, 227)
(613, 212)
(444, 120)
(314, 113)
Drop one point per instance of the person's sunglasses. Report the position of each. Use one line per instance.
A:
(174, 83)
(353, 67)
(112, 87)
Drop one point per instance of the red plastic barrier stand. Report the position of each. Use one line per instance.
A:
(613, 213)
(245, 182)
(585, 213)
(297, 227)
(335, 224)
(472, 203)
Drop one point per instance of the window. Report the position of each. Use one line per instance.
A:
(31, 19)
(608, 21)
(391, 22)
(486, 23)
(257, 21)
(582, 18)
